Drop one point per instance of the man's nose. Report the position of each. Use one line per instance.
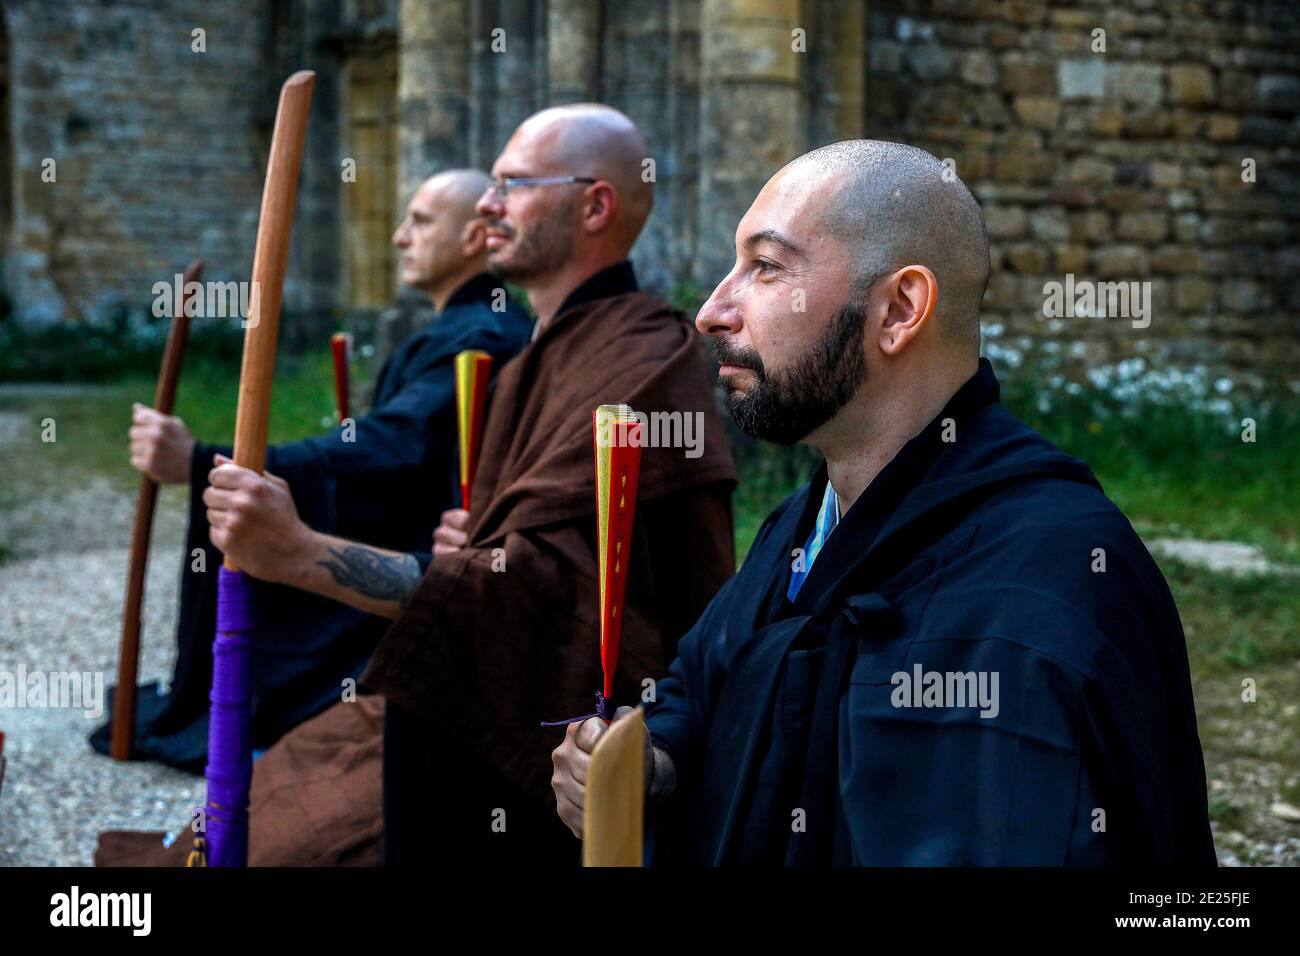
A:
(490, 204)
(401, 239)
(719, 315)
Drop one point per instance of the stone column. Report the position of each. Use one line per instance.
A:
(835, 77)
(432, 90)
(573, 51)
(848, 68)
(752, 119)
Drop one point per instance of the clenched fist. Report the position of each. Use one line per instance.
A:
(161, 445)
(253, 521)
(572, 759)
(449, 537)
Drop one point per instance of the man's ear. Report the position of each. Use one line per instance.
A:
(473, 238)
(599, 206)
(911, 295)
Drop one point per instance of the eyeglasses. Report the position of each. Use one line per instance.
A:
(501, 188)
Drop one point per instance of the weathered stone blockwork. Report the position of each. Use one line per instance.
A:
(1117, 165)
(160, 150)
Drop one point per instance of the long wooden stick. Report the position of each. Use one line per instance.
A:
(164, 400)
(229, 769)
(269, 261)
(613, 817)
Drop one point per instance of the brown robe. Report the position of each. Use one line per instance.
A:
(485, 655)
(314, 800)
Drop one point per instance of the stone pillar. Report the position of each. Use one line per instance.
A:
(573, 51)
(432, 90)
(752, 121)
(679, 170)
(515, 72)
(848, 68)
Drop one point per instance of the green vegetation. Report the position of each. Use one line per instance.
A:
(91, 423)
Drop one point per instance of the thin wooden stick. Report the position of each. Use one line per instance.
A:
(164, 400)
(230, 761)
(270, 258)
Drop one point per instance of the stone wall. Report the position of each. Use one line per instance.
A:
(1122, 165)
(160, 150)
(155, 148)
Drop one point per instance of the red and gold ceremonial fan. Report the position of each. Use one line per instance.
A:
(618, 462)
(473, 369)
(341, 347)
(614, 812)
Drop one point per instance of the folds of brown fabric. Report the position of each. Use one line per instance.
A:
(502, 634)
(315, 799)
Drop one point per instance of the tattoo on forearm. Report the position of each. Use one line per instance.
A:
(386, 577)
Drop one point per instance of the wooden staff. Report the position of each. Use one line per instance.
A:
(164, 400)
(270, 258)
(230, 762)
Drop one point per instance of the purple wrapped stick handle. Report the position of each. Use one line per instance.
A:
(230, 753)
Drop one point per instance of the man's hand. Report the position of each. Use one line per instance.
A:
(161, 445)
(449, 537)
(572, 760)
(253, 521)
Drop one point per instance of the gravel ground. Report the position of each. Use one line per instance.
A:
(60, 611)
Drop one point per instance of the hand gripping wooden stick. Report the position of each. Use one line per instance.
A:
(164, 400)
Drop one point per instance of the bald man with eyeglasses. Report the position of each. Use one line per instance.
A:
(499, 633)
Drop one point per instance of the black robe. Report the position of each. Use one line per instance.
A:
(386, 488)
(981, 556)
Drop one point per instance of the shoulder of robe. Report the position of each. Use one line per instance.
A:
(1083, 594)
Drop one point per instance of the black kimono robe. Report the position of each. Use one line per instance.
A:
(387, 488)
(812, 732)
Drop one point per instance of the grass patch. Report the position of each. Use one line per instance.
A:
(1235, 623)
(1174, 471)
(1187, 474)
(91, 423)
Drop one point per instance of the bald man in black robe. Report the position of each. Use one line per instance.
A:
(950, 648)
(385, 482)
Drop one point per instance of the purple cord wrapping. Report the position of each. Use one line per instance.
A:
(604, 710)
(230, 755)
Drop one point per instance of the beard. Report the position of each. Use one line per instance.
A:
(543, 248)
(784, 407)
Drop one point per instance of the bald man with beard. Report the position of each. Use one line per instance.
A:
(499, 633)
(384, 481)
(950, 648)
